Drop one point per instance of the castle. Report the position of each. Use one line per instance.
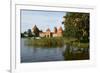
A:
(56, 33)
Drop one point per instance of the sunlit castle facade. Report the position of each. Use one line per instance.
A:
(56, 33)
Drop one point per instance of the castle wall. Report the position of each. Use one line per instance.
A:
(49, 34)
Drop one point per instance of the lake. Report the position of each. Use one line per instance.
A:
(31, 53)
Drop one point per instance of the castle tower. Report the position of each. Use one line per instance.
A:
(55, 30)
(60, 31)
(35, 30)
(48, 33)
(48, 30)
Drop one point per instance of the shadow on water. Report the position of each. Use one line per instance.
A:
(74, 53)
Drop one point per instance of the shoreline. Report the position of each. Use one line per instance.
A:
(56, 42)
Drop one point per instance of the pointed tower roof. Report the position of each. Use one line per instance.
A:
(48, 29)
(55, 29)
(60, 28)
(35, 28)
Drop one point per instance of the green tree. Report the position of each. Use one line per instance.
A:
(22, 35)
(25, 32)
(76, 25)
(29, 32)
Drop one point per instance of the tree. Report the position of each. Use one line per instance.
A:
(25, 32)
(29, 32)
(22, 35)
(76, 25)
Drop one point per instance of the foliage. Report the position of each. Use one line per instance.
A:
(29, 32)
(45, 42)
(22, 35)
(76, 25)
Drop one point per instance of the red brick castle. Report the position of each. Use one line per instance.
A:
(56, 33)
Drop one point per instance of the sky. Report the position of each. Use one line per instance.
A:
(42, 19)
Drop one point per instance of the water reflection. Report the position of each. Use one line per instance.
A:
(75, 53)
(31, 53)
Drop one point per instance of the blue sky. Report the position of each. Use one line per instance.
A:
(42, 19)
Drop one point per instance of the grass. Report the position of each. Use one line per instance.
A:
(56, 42)
(46, 42)
(76, 43)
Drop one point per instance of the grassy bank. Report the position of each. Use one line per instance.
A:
(56, 42)
(76, 43)
(46, 42)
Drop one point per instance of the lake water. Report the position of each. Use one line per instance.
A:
(30, 53)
